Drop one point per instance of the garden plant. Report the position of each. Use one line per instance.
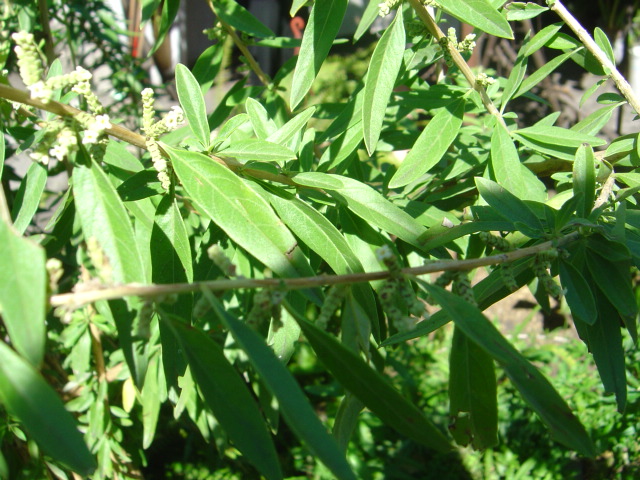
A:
(197, 261)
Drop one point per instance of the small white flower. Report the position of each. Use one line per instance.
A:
(40, 158)
(174, 118)
(40, 91)
(90, 136)
(101, 123)
(58, 152)
(383, 253)
(384, 9)
(82, 75)
(67, 138)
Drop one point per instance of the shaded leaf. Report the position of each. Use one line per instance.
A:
(584, 180)
(28, 196)
(531, 384)
(25, 395)
(240, 18)
(229, 399)
(192, 102)
(479, 13)
(578, 293)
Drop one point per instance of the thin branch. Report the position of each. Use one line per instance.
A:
(78, 299)
(130, 137)
(460, 62)
(622, 84)
(251, 61)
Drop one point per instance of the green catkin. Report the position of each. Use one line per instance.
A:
(462, 287)
(217, 255)
(143, 322)
(201, 307)
(541, 267)
(331, 303)
(496, 242)
(509, 279)
(261, 309)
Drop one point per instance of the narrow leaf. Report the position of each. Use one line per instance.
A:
(368, 17)
(192, 102)
(229, 399)
(367, 203)
(480, 14)
(508, 205)
(373, 389)
(323, 25)
(294, 406)
(381, 77)
(25, 395)
(578, 293)
(584, 180)
(23, 293)
(28, 197)
(243, 214)
(532, 385)
(262, 125)
(614, 279)
(543, 72)
(472, 390)
(603, 42)
(240, 18)
(254, 149)
(505, 162)
(431, 145)
(292, 127)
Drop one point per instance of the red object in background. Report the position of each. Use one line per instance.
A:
(297, 27)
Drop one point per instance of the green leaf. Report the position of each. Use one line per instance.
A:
(367, 203)
(104, 218)
(532, 385)
(516, 76)
(605, 343)
(26, 396)
(294, 406)
(381, 77)
(368, 17)
(614, 279)
(323, 25)
(347, 418)
(517, 11)
(373, 389)
(192, 102)
(578, 293)
(151, 402)
(542, 37)
(480, 14)
(472, 390)
(254, 149)
(229, 399)
(28, 197)
(2, 153)
(431, 145)
(505, 162)
(207, 66)
(556, 141)
(23, 293)
(603, 42)
(584, 180)
(240, 18)
(295, 6)
(236, 208)
(543, 72)
(595, 121)
(262, 125)
(508, 206)
(293, 127)
(169, 12)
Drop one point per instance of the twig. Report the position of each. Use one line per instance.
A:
(622, 84)
(460, 62)
(264, 78)
(78, 299)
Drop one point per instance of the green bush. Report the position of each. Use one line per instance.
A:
(253, 283)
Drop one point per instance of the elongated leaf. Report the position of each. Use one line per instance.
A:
(381, 77)
(262, 125)
(368, 17)
(594, 122)
(605, 343)
(237, 209)
(555, 141)
(167, 16)
(578, 293)
(603, 42)
(431, 145)
(240, 18)
(508, 206)
(505, 162)
(479, 13)
(192, 102)
(368, 204)
(2, 153)
(25, 395)
(584, 180)
(373, 390)
(531, 384)
(104, 218)
(292, 127)
(516, 76)
(524, 11)
(542, 37)
(28, 197)
(229, 399)
(151, 400)
(323, 25)
(294, 406)
(23, 293)
(254, 149)
(207, 66)
(472, 389)
(614, 279)
(543, 72)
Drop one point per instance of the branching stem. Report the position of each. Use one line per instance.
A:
(78, 299)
